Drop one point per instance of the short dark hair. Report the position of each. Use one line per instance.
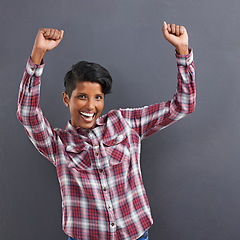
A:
(87, 71)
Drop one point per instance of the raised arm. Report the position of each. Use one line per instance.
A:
(147, 120)
(29, 112)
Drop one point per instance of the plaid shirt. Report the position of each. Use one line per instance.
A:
(98, 169)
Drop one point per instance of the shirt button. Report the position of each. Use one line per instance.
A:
(112, 224)
(105, 189)
(96, 154)
(100, 170)
(109, 207)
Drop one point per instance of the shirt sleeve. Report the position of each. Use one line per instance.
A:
(149, 119)
(30, 114)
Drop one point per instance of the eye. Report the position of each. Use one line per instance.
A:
(81, 96)
(99, 97)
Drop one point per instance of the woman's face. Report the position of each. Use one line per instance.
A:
(85, 104)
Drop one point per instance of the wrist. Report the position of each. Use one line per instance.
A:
(182, 50)
(37, 55)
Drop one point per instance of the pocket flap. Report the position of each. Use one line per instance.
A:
(115, 140)
(76, 149)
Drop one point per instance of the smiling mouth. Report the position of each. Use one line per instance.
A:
(88, 117)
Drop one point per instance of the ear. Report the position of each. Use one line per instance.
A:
(65, 99)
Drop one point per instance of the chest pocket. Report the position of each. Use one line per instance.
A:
(79, 157)
(117, 149)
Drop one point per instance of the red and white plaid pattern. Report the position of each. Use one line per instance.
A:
(99, 169)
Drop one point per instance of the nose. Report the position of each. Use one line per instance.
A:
(90, 104)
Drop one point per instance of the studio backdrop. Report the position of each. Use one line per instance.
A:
(191, 170)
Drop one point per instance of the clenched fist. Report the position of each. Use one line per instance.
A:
(46, 40)
(177, 36)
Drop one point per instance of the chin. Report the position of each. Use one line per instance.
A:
(85, 125)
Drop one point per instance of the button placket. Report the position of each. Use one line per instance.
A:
(112, 227)
(103, 179)
(108, 204)
(95, 150)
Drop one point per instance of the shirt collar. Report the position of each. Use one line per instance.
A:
(75, 130)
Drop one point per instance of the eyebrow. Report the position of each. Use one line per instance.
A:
(87, 94)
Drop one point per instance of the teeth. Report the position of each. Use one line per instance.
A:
(87, 114)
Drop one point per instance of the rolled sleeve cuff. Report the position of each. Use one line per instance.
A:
(185, 60)
(34, 69)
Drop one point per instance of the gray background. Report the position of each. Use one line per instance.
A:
(191, 169)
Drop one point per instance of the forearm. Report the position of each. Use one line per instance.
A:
(29, 91)
(150, 119)
(30, 114)
(185, 96)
